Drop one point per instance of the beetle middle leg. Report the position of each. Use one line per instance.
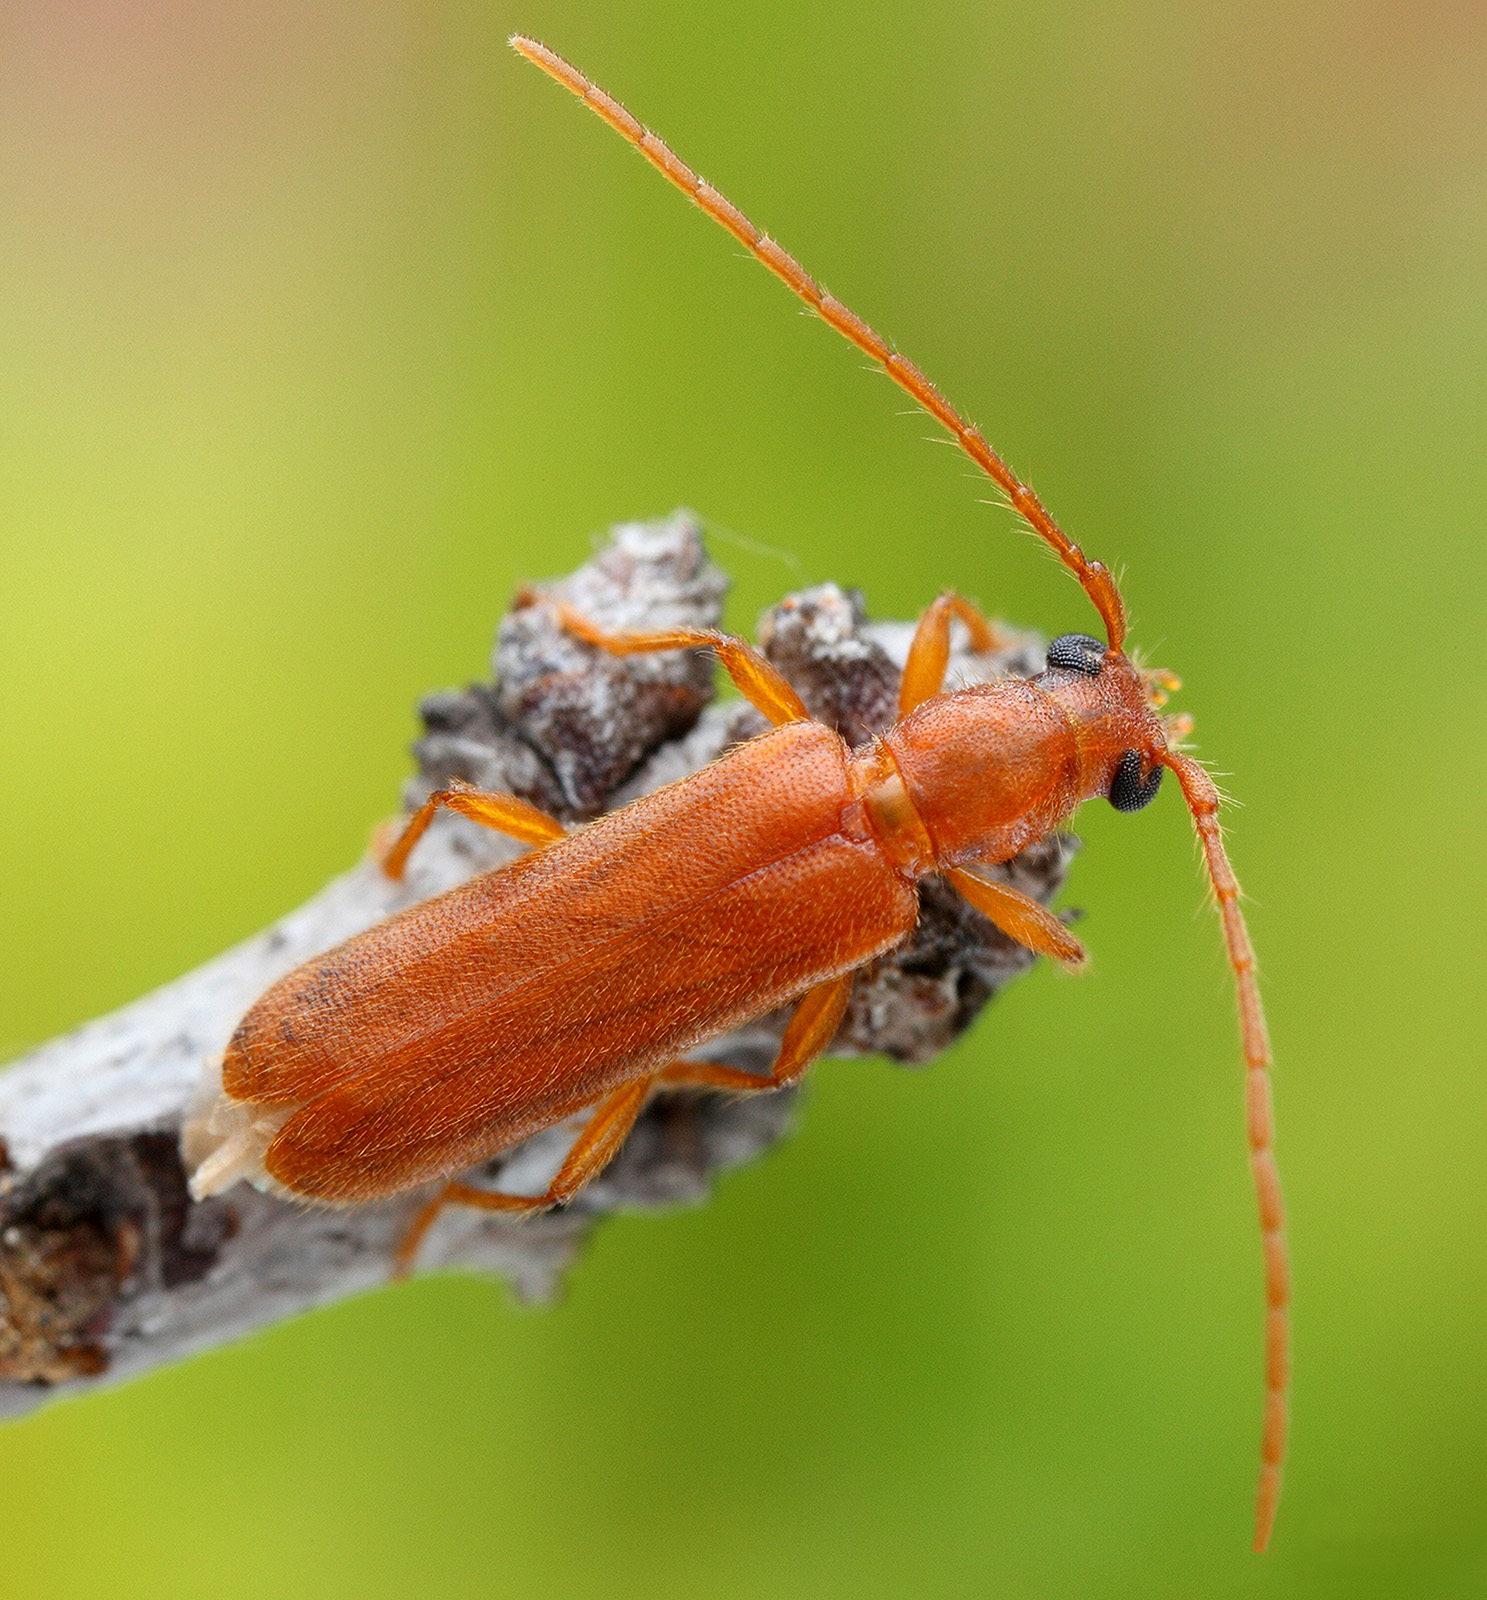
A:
(504, 813)
(759, 681)
(810, 1030)
(592, 1151)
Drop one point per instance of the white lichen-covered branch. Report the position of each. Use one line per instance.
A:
(107, 1266)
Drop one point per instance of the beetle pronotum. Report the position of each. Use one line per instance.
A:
(579, 976)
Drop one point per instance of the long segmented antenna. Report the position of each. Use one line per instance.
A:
(1094, 577)
(1203, 802)
(1098, 583)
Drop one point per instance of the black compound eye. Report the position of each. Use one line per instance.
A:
(1076, 652)
(1127, 791)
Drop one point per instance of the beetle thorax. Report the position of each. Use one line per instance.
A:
(982, 773)
(985, 770)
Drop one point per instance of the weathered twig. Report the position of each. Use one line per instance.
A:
(108, 1268)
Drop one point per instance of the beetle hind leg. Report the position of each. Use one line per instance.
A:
(502, 813)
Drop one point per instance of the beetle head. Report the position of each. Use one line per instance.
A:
(1114, 705)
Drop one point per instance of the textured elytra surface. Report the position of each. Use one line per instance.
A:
(108, 1268)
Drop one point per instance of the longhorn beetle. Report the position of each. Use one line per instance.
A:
(578, 977)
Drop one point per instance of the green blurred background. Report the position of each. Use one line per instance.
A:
(327, 322)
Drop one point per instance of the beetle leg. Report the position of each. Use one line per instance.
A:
(924, 671)
(502, 812)
(760, 682)
(1019, 916)
(592, 1151)
(810, 1030)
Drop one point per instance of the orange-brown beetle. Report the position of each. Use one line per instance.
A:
(578, 977)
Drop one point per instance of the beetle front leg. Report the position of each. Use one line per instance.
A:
(503, 813)
(810, 1030)
(1019, 916)
(759, 681)
(929, 654)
